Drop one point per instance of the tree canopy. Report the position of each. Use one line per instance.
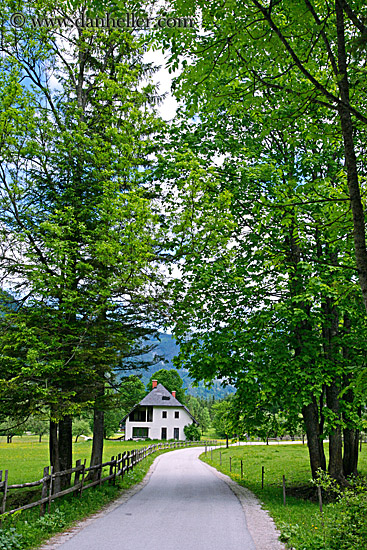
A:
(253, 194)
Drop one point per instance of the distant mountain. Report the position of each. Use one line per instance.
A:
(167, 348)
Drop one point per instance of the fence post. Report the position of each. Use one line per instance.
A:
(230, 464)
(118, 459)
(45, 484)
(50, 490)
(241, 468)
(112, 469)
(262, 476)
(100, 469)
(284, 490)
(124, 463)
(5, 489)
(82, 481)
(77, 472)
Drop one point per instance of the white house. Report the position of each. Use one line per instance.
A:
(158, 416)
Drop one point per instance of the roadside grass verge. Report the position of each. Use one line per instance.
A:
(299, 521)
(25, 529)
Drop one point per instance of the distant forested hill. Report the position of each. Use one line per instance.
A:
(167, 348)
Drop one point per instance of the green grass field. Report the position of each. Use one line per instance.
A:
(25, 457)
(300, 520)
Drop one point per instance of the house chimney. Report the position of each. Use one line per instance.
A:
(154, 384)
(174, 394)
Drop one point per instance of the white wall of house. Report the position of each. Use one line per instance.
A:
(170, 422)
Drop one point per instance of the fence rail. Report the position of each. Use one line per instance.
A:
(118, 466)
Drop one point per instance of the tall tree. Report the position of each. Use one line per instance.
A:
(77, 216)
(262, 301)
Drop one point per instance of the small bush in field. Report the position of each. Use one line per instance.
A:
(192, 432)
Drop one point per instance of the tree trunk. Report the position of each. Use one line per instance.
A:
(350, 456)
(98, 419)
(330, 333)
(351, 432)
(65, 449)
(351, 437)
(310, 412)
(54, 454)
(346, 123)
(98, 439)
(335, 437)
(314, 437)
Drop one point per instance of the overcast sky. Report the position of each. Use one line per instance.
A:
(169, 106)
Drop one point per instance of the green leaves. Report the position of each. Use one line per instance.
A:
(78, 126)
(264, 302)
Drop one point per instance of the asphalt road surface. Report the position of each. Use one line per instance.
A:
(184, 506)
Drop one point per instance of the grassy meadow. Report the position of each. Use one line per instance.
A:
(25, 457)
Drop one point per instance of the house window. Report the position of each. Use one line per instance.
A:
(165, 398)
(164, 414)
(141, 414)
(177, 414)
(140, 432)
(176, 433)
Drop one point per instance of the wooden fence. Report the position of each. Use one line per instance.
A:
(117, 466)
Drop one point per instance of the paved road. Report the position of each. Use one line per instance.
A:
(184, 506)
